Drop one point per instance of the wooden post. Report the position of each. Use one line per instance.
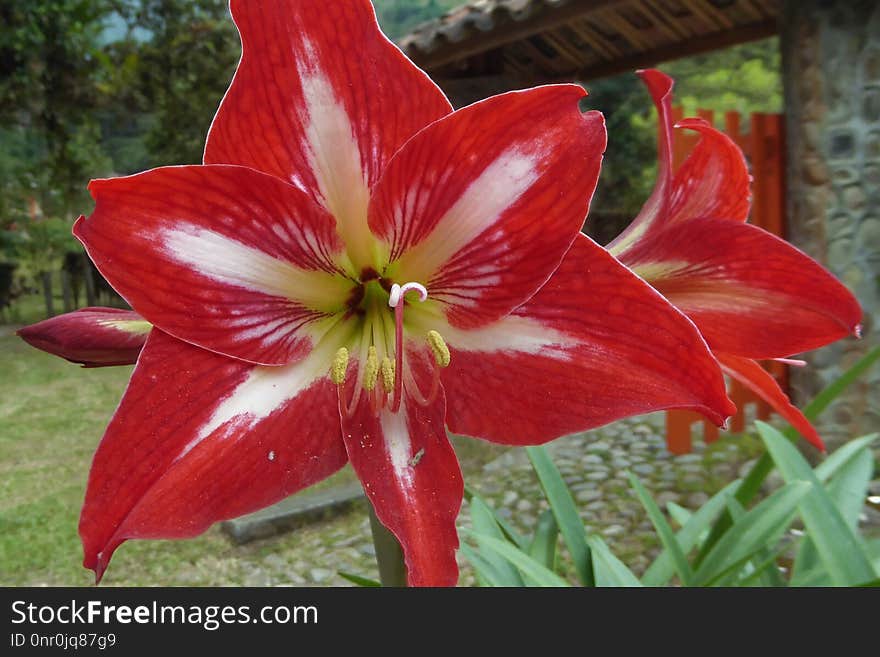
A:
(678, 431)
(764, 146)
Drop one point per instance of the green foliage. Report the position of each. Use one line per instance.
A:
(744, 78)
(747, 553)
(630, 164)
(744, 550)
(397, 17)
(41, 246)
(181, 73)
(47, 93)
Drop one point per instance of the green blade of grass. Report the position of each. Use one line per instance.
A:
(836, 543)
(561, 502)
(664, 531)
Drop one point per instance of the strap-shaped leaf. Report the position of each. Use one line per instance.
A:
(753, 531)
(564, 510)
(837, 544)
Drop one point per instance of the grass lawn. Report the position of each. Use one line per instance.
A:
(52, 415)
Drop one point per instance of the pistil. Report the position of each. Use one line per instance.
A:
(396, 300)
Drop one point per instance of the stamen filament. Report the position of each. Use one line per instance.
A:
(416, 393)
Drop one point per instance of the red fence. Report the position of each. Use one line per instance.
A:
(764, 148)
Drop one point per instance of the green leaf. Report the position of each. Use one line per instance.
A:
(847, 490)
(664, 531)
(529, 567)
(821, 401)
(660, 572)
(543, 547)
(485, 525)
(608, 569)
(754, 530)
(766, 570)
(873, 547)
(678, 513)
(756, 476)
(565, 512)
(512, 535)
(487, 574)
(837, 544)
(357, 579)
(842, 456)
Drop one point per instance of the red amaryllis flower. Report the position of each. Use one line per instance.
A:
(337, 182)
(752, 295)
(93, 337)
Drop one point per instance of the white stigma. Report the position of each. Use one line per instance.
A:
(399, 291)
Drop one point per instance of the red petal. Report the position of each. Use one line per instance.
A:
(94, 337)
(223, 257)
(411, 475)
(762, 383)
(714, 180)
(594, 345)
(321, 99)
(482, 205)
(199, 438)
(749, 292)
(655, 208)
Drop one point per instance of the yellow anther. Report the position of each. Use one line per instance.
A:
(371, 369)
(438, 346)
(340, 364)
(388, 375)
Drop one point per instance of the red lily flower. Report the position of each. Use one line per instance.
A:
(93, 337)
(277, 274)
(752, 295)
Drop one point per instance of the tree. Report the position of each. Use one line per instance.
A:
(47, 92)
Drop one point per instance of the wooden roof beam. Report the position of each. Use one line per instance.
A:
(504, 33)
(693, 46)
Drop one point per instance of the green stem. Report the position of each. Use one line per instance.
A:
(389, 554)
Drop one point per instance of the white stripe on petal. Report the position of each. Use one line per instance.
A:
(335, 157)
(398, 446)
(481, 205)
(227, 261)
(266, 390)
(511, 333)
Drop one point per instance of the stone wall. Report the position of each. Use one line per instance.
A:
(831, 66)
